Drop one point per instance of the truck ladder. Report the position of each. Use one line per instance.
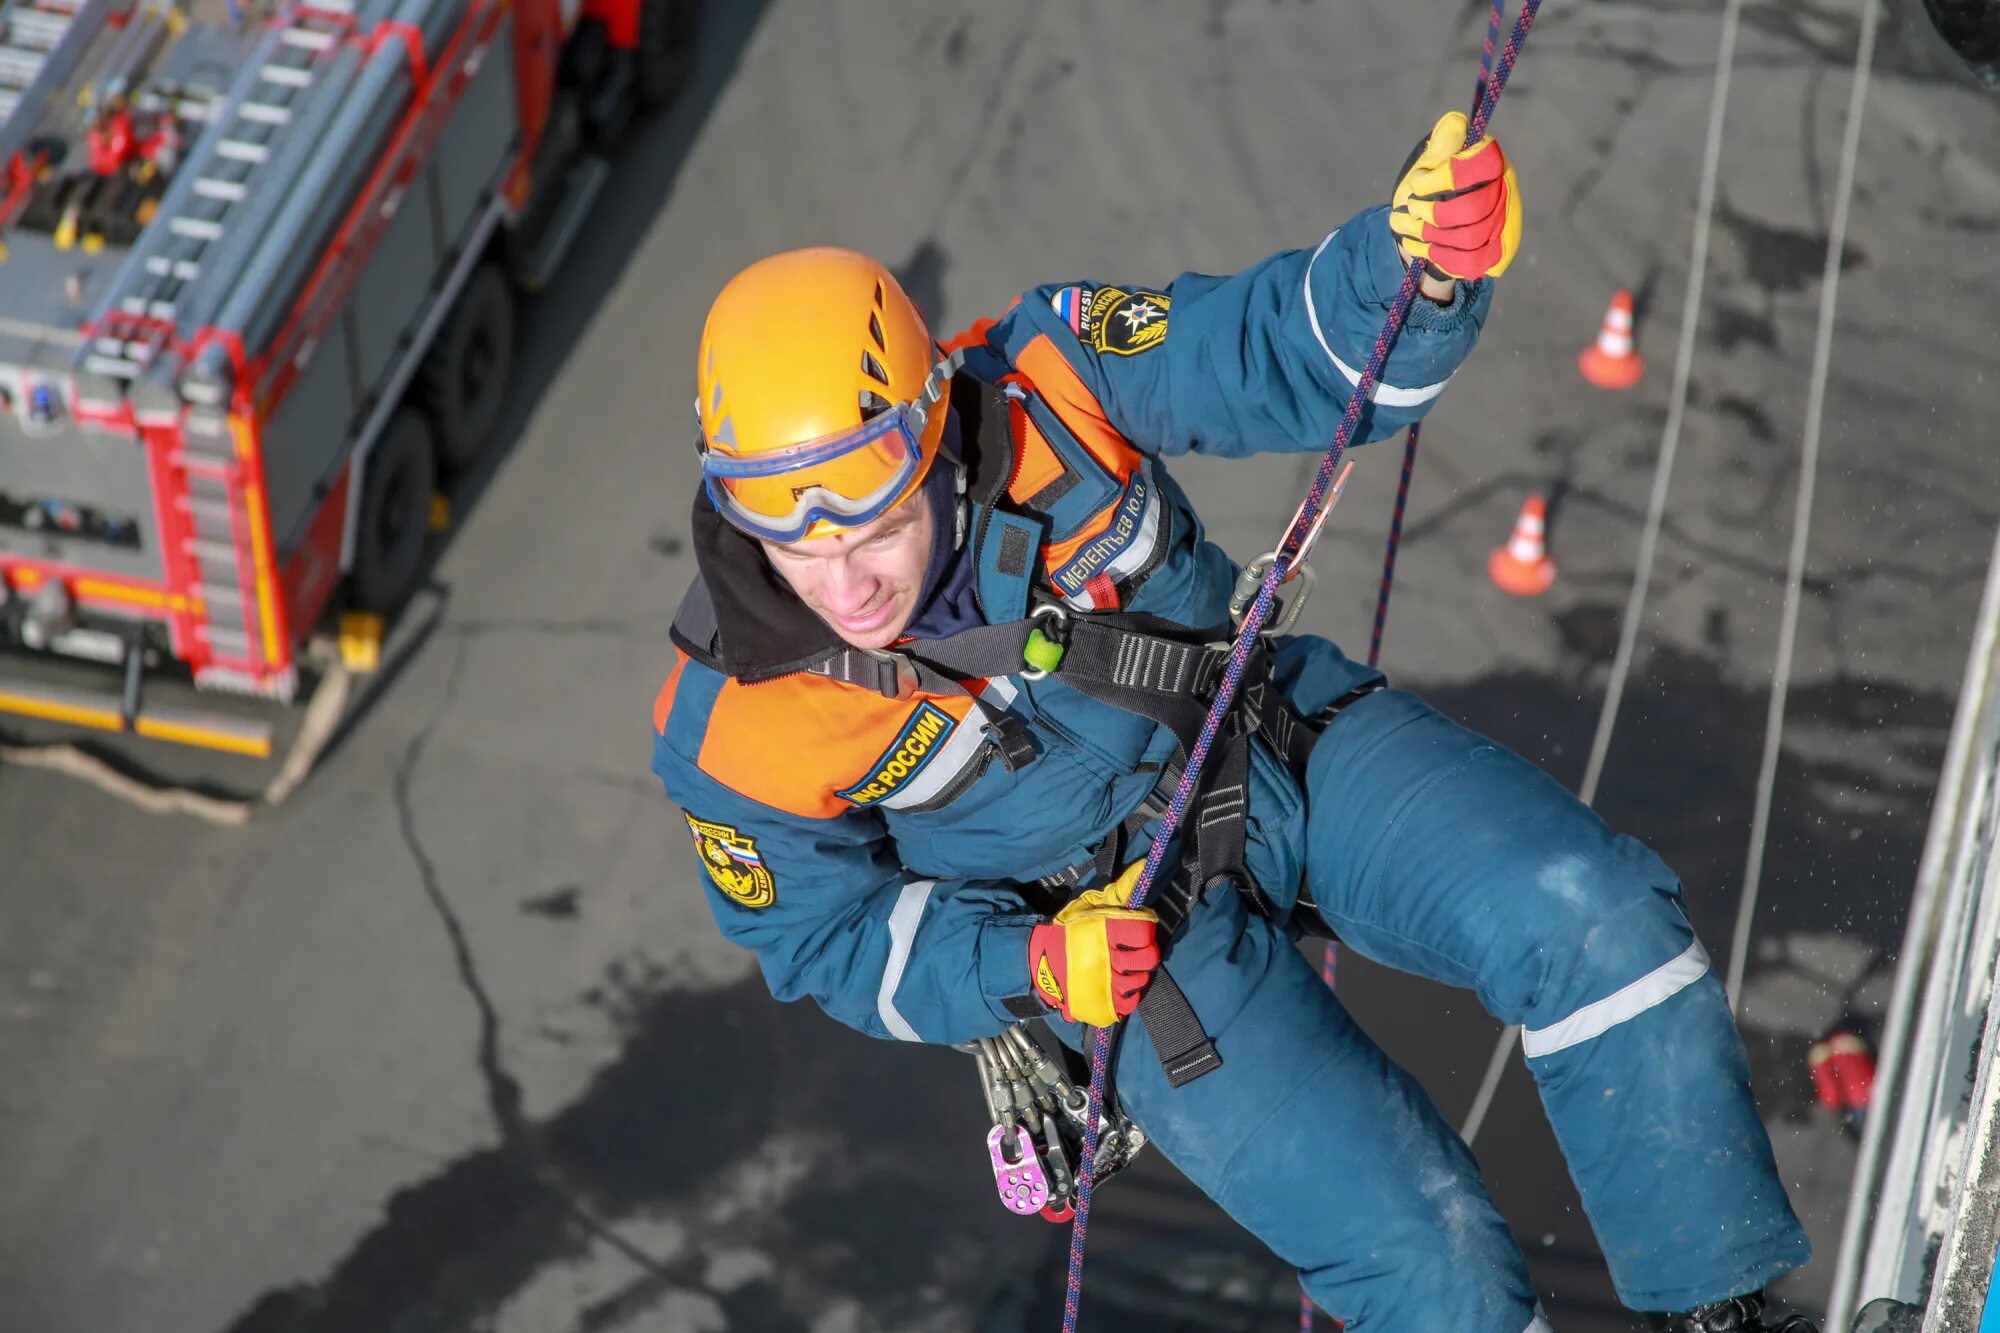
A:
(40, 43)
(140, 315)
(28, 34)
(219, 546)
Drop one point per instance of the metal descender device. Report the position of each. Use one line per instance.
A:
(1039, 1116)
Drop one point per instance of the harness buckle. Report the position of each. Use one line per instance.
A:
(898, 677)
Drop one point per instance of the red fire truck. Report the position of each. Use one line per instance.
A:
(258, 266)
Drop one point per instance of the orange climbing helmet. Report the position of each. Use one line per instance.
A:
(820, 397)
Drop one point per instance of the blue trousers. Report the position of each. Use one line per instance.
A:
(1434, 851)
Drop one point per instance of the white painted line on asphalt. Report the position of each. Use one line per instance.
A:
(1704, 217)
(1781, 674)
(1621, 667)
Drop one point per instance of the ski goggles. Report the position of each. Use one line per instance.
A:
(848, 478)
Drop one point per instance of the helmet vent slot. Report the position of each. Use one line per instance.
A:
(878, 293)
(873, 404)
(875, 332)
(873, 368)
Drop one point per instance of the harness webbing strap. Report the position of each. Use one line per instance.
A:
(1186, 1052)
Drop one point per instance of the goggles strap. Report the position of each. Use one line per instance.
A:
(936, 384)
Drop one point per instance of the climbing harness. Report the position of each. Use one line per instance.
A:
(1247, 639)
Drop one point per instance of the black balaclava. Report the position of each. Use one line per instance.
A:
(947, 604)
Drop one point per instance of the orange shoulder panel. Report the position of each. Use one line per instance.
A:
(792, 743)
(1035, 461)
(1048, 374)
(1057, 381)
(663, 702)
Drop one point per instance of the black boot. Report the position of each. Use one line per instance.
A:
(1887, 1316)
(1740, 1314)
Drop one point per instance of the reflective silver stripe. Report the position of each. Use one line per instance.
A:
(960, 749)
(1386, 394)
(1600, 1016)
(902, 934)
(1134, 556)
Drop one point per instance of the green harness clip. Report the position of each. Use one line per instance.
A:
(1042, 653)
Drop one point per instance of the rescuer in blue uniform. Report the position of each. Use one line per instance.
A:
(925, 834)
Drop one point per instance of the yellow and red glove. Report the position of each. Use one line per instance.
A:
(1458, 208)
(1093, 962)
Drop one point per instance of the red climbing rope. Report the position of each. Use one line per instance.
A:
(1253, 624)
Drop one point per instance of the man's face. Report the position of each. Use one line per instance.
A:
(863, 582)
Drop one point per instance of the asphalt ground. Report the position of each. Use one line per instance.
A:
(449, 1041)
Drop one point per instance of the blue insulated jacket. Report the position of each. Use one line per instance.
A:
(871, 850)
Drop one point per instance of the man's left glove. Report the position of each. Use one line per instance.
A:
(1455, 207)
(1093, 962)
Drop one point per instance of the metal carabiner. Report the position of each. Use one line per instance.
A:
(1252, 577)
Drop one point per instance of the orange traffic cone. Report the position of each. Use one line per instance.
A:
(1522, 567)
(1611, 362)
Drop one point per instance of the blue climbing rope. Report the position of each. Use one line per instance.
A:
(1480, 102)
(1246, 638)
(1329, 962)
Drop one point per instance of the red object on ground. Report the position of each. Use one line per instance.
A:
(112, 143)
(1611, 362)
(620, 19)
(1843, 1070)
(1522, 567)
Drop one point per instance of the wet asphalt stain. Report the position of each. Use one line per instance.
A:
(1908, 46)
(1588, 631)
(1750, 413)
(452, 1248)
(1778, 258)
(1729, 327)
(894, 1213)
(1715, 634)
(1977, 224)
(557, 904)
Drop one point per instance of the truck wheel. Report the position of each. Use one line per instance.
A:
(463, 383)
(395, 515)
(669, 31)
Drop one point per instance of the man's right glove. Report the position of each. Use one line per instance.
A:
(1095, 959)
(1455, 207)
